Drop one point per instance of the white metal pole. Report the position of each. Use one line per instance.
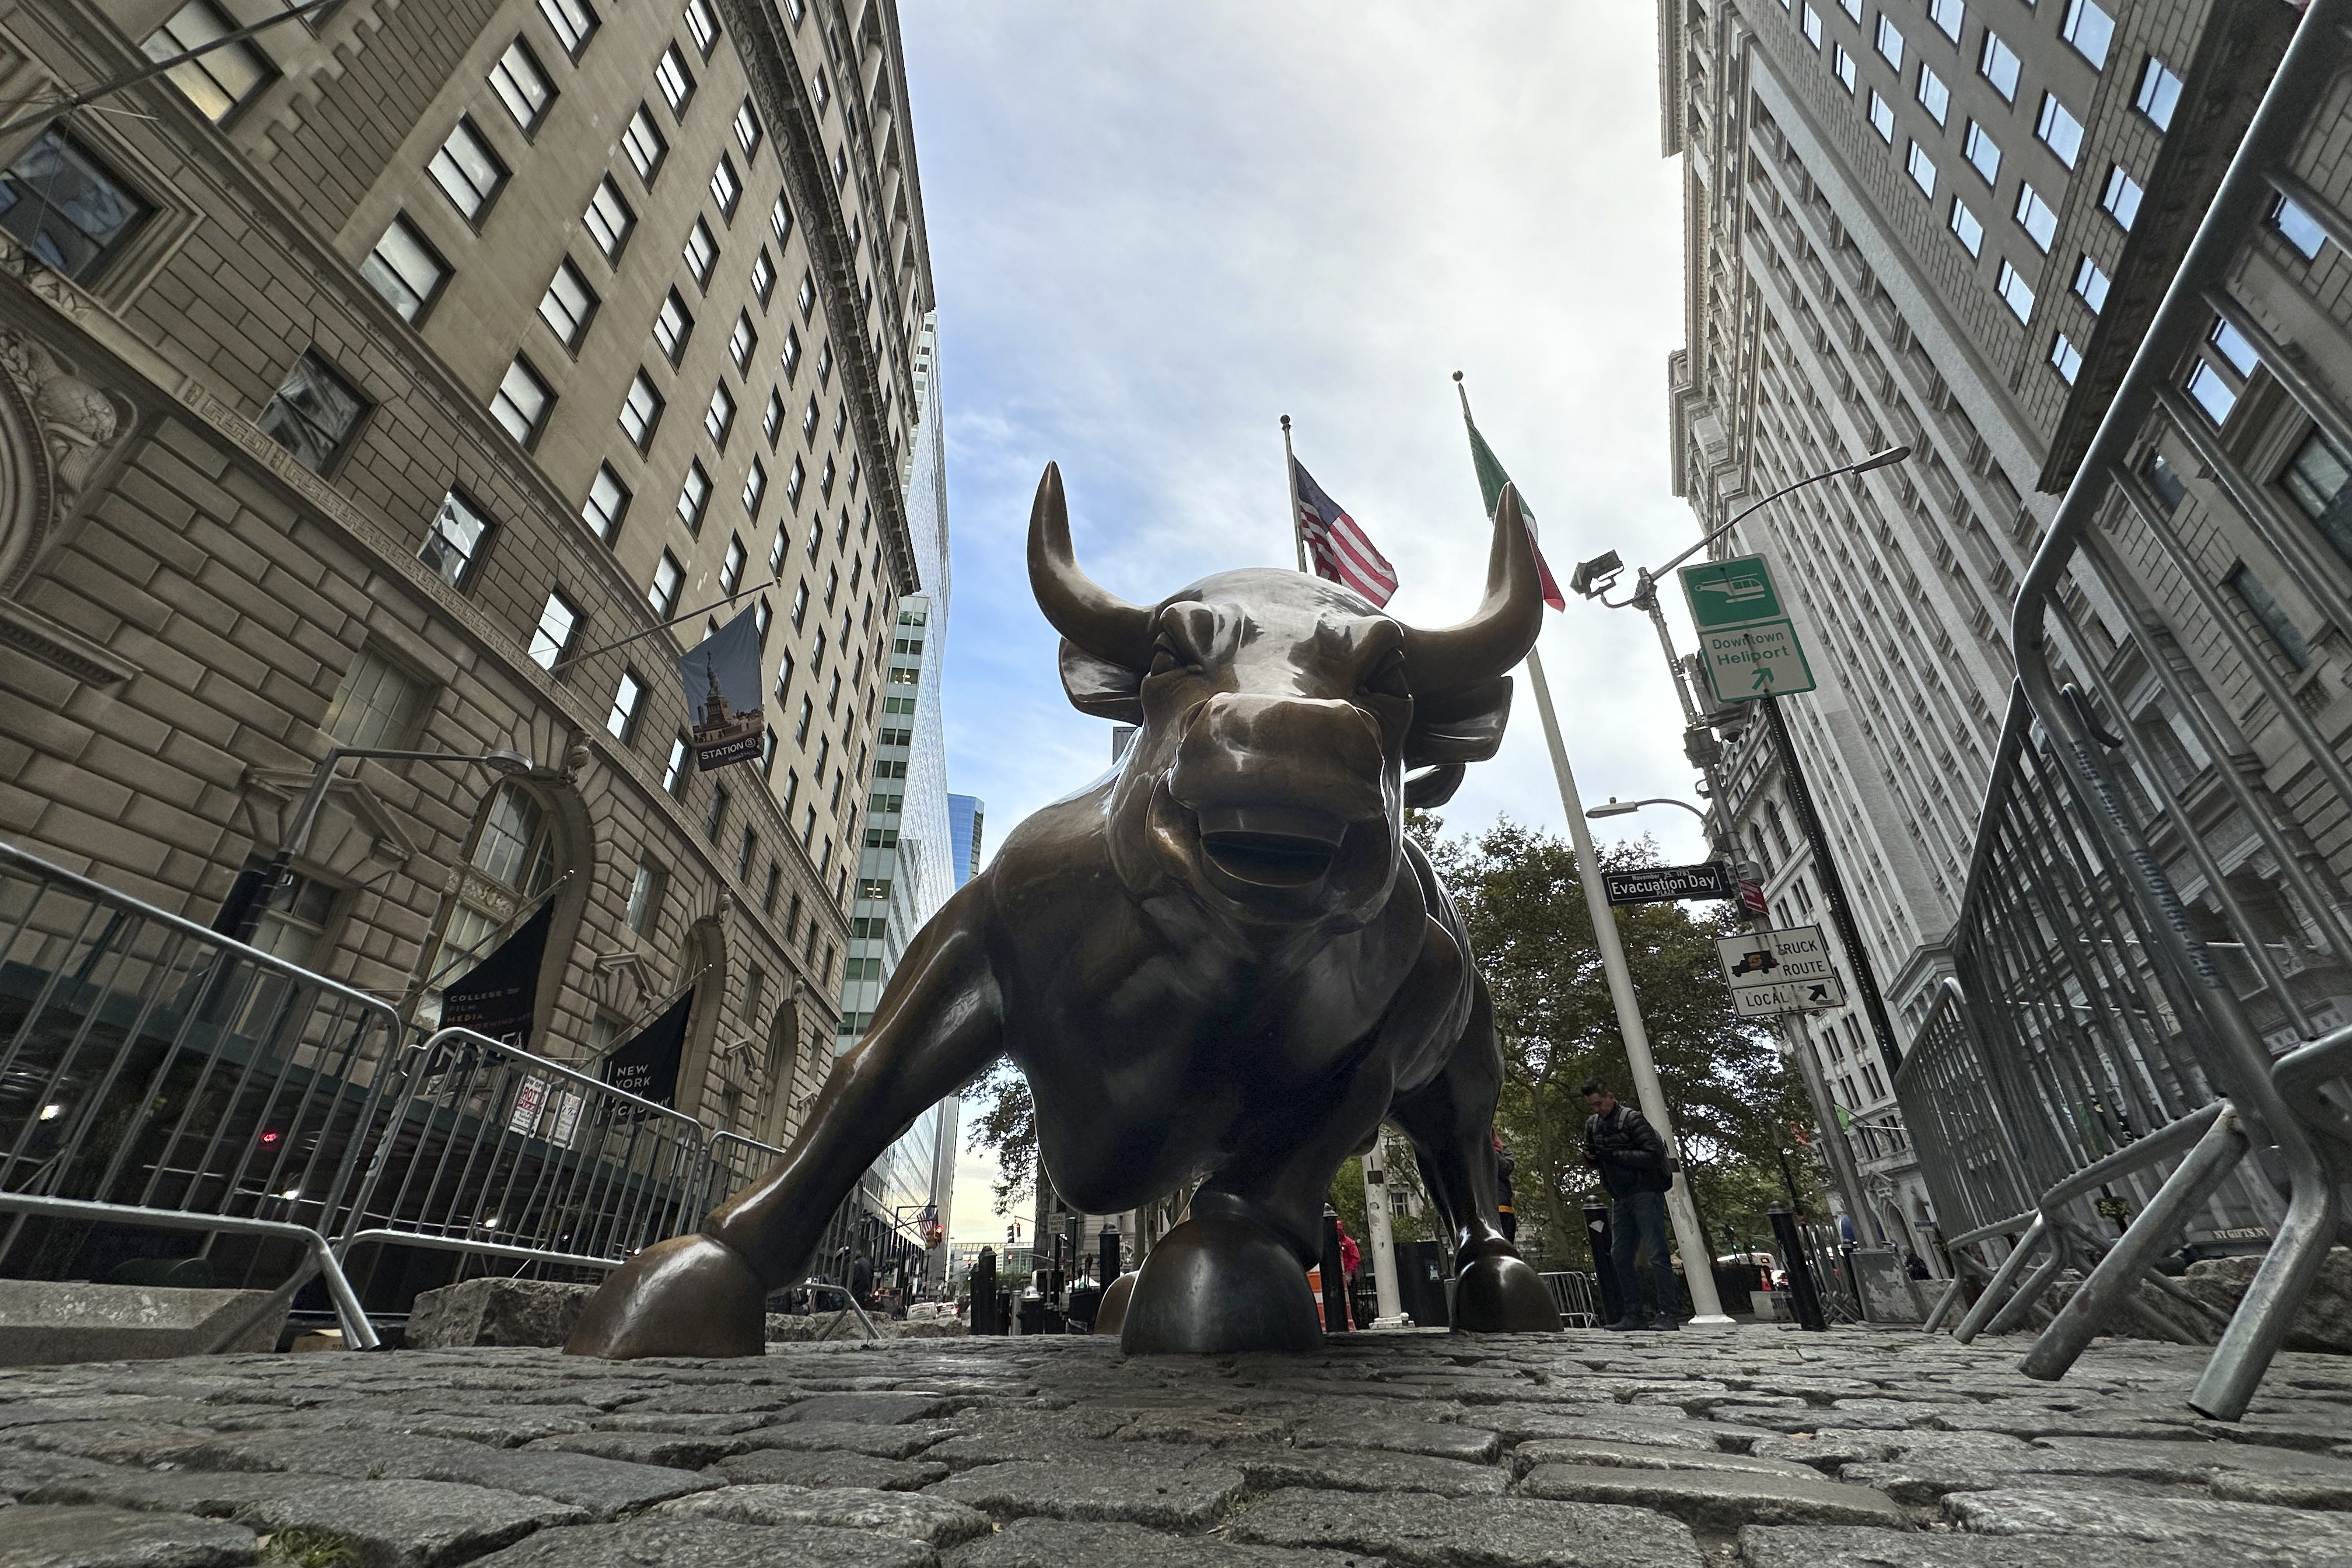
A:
(1699, 1259)
(1380, 1237)
(1291, 477)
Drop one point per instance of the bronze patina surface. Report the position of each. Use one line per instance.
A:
(1224, 962)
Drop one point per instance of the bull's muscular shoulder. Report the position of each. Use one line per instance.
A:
(1055, 868)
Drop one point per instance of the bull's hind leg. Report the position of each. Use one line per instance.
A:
(1451, 1120)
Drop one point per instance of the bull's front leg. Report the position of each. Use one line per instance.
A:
(937, 1023)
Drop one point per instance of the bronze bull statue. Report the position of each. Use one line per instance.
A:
(1224, 962)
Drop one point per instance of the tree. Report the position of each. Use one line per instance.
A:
(1005, 1126)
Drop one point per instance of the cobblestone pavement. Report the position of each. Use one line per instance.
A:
(1759, 1446)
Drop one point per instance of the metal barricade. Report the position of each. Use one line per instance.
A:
(2156, 904)
(491, 1150)
(734, 1163)
(155, 1076)
(1577, 1295)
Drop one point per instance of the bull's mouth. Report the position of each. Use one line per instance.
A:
(1271, 847)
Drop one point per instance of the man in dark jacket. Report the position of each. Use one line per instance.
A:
(1631, 1160)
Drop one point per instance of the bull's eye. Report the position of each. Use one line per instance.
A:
(1165, 660)
(1387, 678)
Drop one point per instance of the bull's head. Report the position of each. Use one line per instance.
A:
(1279, 714)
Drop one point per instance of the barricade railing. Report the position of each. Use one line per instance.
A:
(491, 1150)
(734, 1163)
(2103, 1057)
(1577, 1296)
(156, 1076)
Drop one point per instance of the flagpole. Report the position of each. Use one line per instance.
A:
(1698, 1270)
(1290, 473)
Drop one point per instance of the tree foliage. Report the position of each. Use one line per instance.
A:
(1005, 1127)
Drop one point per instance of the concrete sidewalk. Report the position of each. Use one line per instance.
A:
(1761, 1446)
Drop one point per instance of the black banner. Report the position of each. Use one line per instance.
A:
(1664, 884)
(647, 1066)
(496, 996)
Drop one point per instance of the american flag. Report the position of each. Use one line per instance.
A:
(1336, 547)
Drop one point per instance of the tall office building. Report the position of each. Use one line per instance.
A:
(967, 816)
(427, 377)
(1939, 224)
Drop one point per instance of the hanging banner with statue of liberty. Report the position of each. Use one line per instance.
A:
(723, 691)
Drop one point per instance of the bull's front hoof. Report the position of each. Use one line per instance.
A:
(1217, 1285)
(1499, 1294)
(689, 1296)
(1111, 1317)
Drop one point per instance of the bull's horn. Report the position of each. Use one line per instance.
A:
(1505, 628)
(1106, 626)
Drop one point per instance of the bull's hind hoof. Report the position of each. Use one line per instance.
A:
(1110, 1317)
(689, 1296)
(1499, 1294)
(1216, 1285)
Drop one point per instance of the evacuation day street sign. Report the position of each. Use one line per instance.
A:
(1665, 884)
(1746, 642)
(1779, 971)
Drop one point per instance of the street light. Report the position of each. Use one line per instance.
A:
(1627, 807)
(249, 896)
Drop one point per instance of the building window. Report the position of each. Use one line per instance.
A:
(719, 419)
(454, 544)
(468, 172)
(801, 725)
(641, 412)
(731, 570)
(645, 897)
(791, 358)
(2090, 29)
(1921, 168)
(405, 270)
(2121, 197)
(771, 422)
(693, 498)
(1812, 25)
(293, 922)
(795, 482)
(2060, 132)
(763, 615)
(2035, 217)
(742, 342)
(2163, 482)
(1982, 151)
(2212, 392)
(1882, 116)
(628, 701)
(522, 87)
(609, 219)
(522, 402)
(824, 364)
(809, 416)
(375, 705)
(763, 278)
(677, 82)
(779, 219)
(824, 490)
(675, 773)
(2065, 358)
(1890, 42)
(553, 638)
(644, 144)
(2010, 286)
(2255, 595)
(668, 578)
(726, 189)
(1964, 224)
(2297, 227)
(701, 254)
(1843, 64)
(800, 604)
(1949, 15)
(755, 489)
(66, 206)
(607, 504)
(714, 816)
(673, 325)
(568, 306)
(573, 22)
(1997, 64)
(2159, 94)
(806, 298)
(1934, 95)
(2319, 478)
(747, 129)
(702, 24)
(220, 79)
(2091, 284)
(315, 413)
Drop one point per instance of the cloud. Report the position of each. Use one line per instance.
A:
(1154, 230)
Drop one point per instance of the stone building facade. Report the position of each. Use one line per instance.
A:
(403, 377)
(1945, 224)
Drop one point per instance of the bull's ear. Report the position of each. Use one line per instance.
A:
(1099, 686)
(1460, 724)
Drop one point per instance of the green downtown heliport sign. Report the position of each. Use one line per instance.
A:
(1746, 642)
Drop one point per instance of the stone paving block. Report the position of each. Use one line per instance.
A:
(719, 1426)
(1719, 1500)
(2300, 1537)
(606, 1487)
(909, 1516)
(1644, 1457)
(1123, 1491)
(710, 1543)
(765, 1401)
(1840, 1546)
(788, 1468)
(877, 1409)
(674, 1451)
(499, 1426)
(1206, 1429)
(1470, 1532)
(825, 1436)
(1059, 1543)
(66, 1537)
(1438, 1439)
(1360, 1470)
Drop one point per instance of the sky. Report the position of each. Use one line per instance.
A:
(1154, 230)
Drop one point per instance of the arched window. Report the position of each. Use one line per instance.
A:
(514, 862)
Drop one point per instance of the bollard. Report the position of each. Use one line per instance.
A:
(1113, 1264)
(1597, 1232)
(1808, 1302)
(984, 1318)
(1334, 1278)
